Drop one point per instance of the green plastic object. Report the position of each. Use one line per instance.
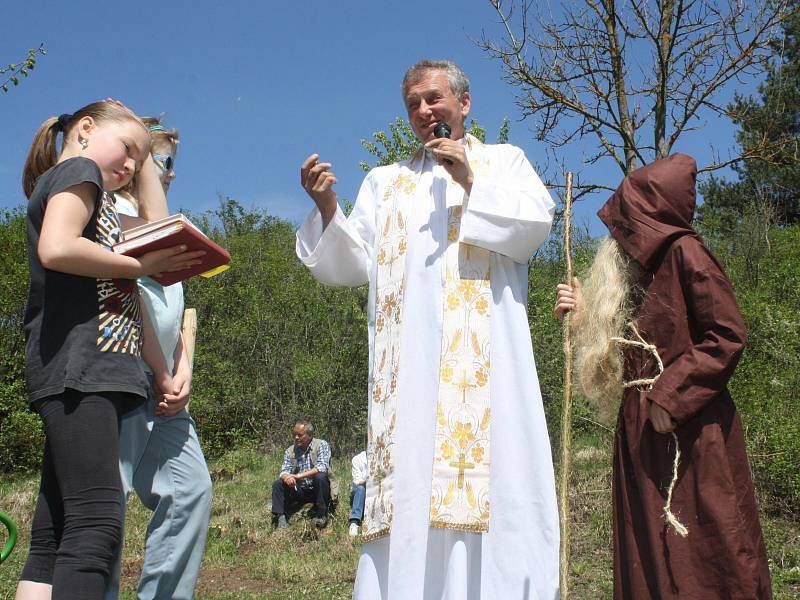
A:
(12, 536)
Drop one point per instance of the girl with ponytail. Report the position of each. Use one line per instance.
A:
(85, 333)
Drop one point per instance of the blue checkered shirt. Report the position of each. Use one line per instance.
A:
(303, 458)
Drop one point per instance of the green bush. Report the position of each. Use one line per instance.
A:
(274, 345)
(22, 439)
(764, 387)
(20, 430)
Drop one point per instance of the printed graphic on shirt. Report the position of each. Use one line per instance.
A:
(120, 321)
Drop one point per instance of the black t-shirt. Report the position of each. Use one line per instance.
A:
(82, 333)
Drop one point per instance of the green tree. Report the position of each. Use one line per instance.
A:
(20, 430)
(766, 183)
(752, 224)
(765, 383)
(272, 343)
(400, 143)
(11, 73)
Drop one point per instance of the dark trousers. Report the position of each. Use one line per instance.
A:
(77, 524)
(285, 498)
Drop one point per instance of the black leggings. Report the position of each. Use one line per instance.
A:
(77, 525)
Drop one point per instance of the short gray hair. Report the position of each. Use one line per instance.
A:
(307, 426)
(459, 83)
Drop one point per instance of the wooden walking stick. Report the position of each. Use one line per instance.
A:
(566, 409)
(189, 332)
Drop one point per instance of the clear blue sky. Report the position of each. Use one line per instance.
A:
(254, 87)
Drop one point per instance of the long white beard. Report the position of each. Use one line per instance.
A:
(605, 313)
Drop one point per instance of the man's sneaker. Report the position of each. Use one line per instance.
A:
(353, 530)
(282, 522)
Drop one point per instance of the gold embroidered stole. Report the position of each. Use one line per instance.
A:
(460, 492)
(460, 487)
(389, 286)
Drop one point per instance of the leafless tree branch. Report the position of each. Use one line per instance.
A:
(634, 75)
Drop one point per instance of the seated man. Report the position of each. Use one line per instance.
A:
(303, 477)
(358, 492)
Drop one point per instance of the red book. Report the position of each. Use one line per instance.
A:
(172, 231)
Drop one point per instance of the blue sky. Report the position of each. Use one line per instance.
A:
(254, 87)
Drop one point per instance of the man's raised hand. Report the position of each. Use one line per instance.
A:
(317, 180)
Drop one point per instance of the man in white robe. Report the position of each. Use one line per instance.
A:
(461, 498)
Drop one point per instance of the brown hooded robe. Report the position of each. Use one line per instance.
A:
(688, 311)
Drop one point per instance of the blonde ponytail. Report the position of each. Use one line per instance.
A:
(42, 155)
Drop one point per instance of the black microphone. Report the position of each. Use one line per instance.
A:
(442, 130)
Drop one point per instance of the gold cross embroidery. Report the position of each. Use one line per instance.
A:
(464, 385)
(391, 257)
(461, 465)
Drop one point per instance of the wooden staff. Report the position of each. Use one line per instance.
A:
(189, 333)
(566, 409)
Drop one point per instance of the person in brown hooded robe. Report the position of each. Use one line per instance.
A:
(680, 301)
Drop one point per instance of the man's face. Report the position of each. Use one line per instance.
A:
(301, 437)
(430, 100)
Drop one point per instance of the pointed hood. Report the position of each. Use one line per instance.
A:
(652, 207)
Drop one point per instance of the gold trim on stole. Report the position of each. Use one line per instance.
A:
(460, 478)
(389, 292)
(460, 488)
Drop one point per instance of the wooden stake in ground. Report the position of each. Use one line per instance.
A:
(566, 408)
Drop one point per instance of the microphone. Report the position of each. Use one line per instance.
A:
(442, 130)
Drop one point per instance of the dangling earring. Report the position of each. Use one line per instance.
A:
(84, 143)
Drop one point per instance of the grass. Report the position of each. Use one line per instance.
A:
(590, 519)
(245, 560)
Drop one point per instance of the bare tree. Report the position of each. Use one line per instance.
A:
(632, 74)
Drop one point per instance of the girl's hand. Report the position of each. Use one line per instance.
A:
(172, 404)
(178, 398)
(119, 103)
(569, 298)
(167, 260)
(163, 384)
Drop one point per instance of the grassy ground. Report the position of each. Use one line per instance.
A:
(246, 560)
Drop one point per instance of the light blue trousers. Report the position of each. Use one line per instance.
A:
(161, 460)
(358, 493)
